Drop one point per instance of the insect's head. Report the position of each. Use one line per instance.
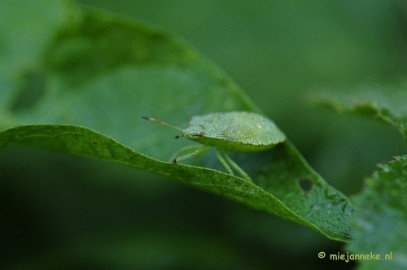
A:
(192, 133)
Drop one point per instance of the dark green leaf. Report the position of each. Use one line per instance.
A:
(380, 228)
(384, 103)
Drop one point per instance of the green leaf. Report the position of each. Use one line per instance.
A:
(97, 74)
(385, 103)
(22, 40)
(380, 226)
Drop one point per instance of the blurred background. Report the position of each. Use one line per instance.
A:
(61, 212)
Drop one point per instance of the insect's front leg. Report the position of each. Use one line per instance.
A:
(195, 150)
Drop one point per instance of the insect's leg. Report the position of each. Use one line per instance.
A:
(237, 168)
(184, 150)
(224, 162)
(199, 150)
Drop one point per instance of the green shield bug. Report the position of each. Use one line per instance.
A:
(229, 131)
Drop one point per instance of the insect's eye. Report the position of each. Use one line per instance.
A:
(200, 134)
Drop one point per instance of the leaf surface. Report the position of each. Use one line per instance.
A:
(94, 76)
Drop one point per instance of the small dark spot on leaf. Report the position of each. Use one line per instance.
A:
(31, 90)
(305, 184)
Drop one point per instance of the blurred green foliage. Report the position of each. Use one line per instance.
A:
(60, 212)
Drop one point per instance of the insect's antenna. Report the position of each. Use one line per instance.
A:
(160, 122)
